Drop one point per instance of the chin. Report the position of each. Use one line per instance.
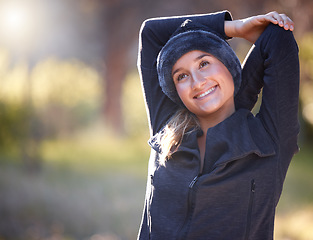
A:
(211, 109)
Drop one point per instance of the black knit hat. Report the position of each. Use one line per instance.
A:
(189, 37)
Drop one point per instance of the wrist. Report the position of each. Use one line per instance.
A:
(231, 28)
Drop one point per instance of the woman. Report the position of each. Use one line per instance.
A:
(216, 171)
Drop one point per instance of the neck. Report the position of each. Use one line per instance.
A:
(215, 118)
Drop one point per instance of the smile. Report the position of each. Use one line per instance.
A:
(206, 93)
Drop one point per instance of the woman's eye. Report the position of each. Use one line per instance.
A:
(181, 76)
(203, 64)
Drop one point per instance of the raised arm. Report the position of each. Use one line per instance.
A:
(273, 63)
(251, 29)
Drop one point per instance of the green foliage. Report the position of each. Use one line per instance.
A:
(98, 152)
(65, 95)
(306, 53)
(306, 87)
(66, 83)
(14, 125)
(135, 117)
(53, 99)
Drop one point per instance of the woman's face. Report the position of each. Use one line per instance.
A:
(204, 84)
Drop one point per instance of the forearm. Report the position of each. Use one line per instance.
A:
(164, 27)
(230, 28)
(251, 28)
(235, 28)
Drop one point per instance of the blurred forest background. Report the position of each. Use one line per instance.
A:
(73, 127)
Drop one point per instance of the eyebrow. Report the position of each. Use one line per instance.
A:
(196, 59)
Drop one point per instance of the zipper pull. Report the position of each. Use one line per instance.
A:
(194, 181)
(253, 186)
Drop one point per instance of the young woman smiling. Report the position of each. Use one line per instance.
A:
(216, 171)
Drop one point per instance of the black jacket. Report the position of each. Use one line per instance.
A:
(246, 156)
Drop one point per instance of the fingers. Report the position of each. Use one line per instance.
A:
(281, 19)
(288, 23)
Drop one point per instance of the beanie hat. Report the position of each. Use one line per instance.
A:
(189, 37)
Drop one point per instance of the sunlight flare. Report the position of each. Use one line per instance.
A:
(16, 20)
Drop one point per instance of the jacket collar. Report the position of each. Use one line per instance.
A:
(236, 137)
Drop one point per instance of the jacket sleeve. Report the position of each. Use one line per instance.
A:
(273, 64)
(144, 228)
(154, 34)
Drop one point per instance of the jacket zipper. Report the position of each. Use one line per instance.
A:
(251, 199)
(184, 229)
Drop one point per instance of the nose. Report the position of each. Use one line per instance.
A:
(198, 80)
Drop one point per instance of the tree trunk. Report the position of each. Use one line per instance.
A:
(114, 77)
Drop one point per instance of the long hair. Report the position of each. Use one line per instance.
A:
(182, 122)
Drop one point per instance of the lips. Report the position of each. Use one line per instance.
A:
(205, 93)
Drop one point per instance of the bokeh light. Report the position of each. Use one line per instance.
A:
(16, 19)
(308, 112)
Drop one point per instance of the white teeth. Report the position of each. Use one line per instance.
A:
(207, 92)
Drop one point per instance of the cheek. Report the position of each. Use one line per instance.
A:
(228, 81)
(182, 91)
(230, 85)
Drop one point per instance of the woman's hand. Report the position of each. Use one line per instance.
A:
(251, 28)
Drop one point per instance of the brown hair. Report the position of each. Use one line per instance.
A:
(182, 122)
